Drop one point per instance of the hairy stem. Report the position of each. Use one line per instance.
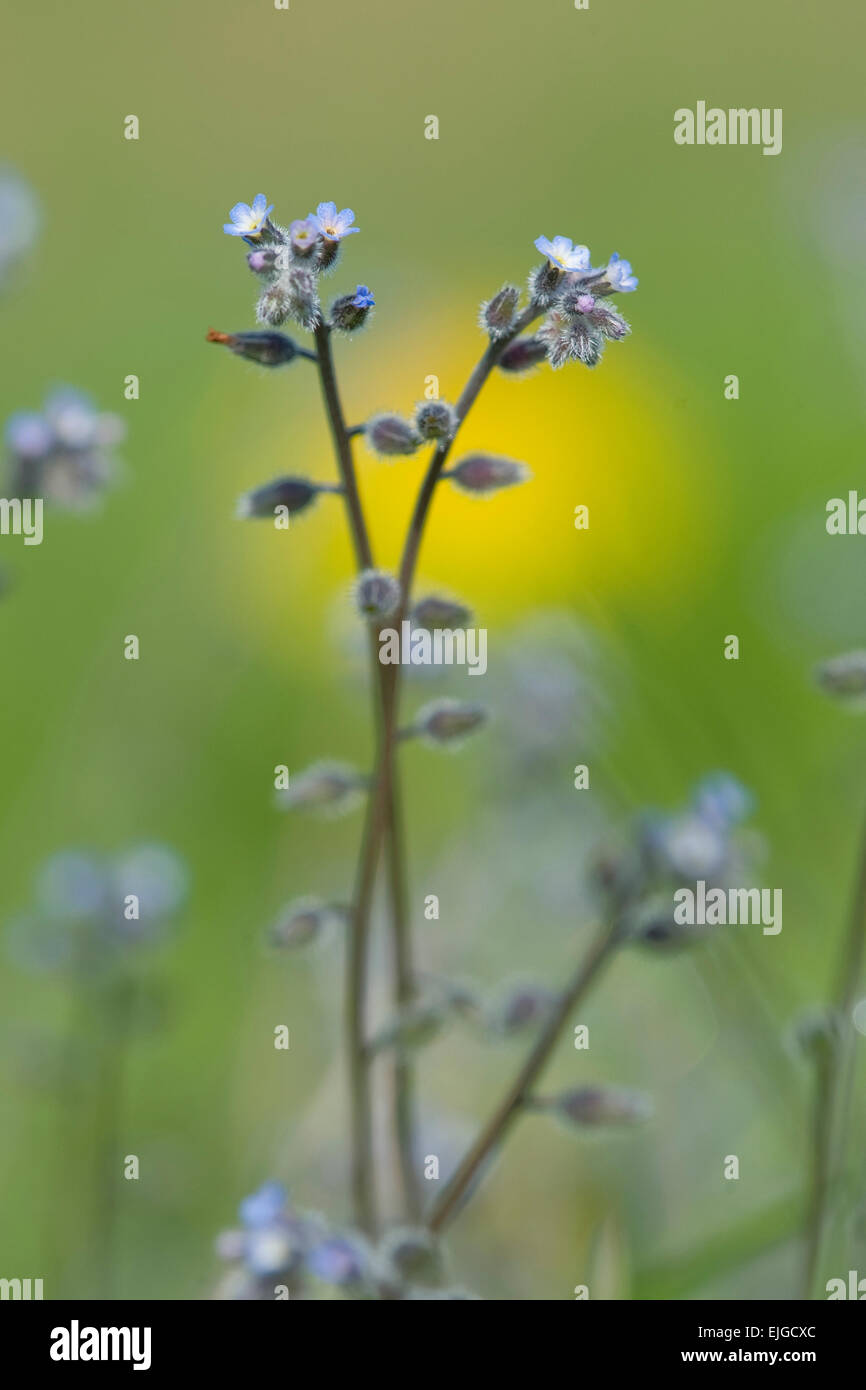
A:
(445, 1208)
(383, 818)
(468, 398)
(404, 991)
(833, 1080)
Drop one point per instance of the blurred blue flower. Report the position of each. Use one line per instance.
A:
(78, 920)
(19, 219)
(339, 1260)
(28, 435)
(723, 801)
(156, 875)
(560, 252)
(64, 453)
(333, 225)
(264, 1206)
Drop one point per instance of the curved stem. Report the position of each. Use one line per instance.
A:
(470, 394)
(445, 1208)
(360, 1098)
(342, 446)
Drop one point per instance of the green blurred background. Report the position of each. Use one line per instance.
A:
(707, 518)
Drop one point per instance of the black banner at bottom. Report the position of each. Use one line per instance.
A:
(80, 1339)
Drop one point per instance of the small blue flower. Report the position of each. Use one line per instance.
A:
(560, 252)
(338, 1261)
(248, 221)
(302, 235)
(263, 1207)
(29, 435)
(333, 225)
(619, 274)
(363, 298)
(723, 801)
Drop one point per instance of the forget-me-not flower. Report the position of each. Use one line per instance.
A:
(618, 274)
(560, 252)
(246, 220)
(333, 225)
(363, 298)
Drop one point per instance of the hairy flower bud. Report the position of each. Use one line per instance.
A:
(262, 260)
(275, 303)
(435, 419)
(448, 721)
(414, 1026)
(295, 494)
(351, 311)
(571, 339)
(483, 473)
(523, 354)
(303, 922)
(377, 594)
(598, 1105)
(302, 296)
(545, 283)
(435, 612)
(498, 313)
(413, 1253)
(327, 786)
(521, 1008)
(844, 677)
(391, 435)
(268, 349)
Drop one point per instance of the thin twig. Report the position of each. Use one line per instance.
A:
(382, 818)
(445, 1208)
(834, 1079)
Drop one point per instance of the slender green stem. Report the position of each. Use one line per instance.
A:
(508, 1109)
(468, 398)
(383, 811)
(404, 991)
(342, 445)
(833, 1080)
(382, 818)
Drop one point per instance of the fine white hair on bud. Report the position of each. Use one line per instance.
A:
(480, 474)
(275, 303)
(844, 677)
(304, 921)
(295, 494)
(391, 435)
(377, 594)
(498, 314)
(413, 1254)
(447, 722)
(545, 283)
(328, 787)
(523, 354)
(597, 1105)
(434, 612)
(435, 419)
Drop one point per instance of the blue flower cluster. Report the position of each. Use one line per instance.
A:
(289, 261)
(63, 453)
(89, 910)
(279, 1252)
